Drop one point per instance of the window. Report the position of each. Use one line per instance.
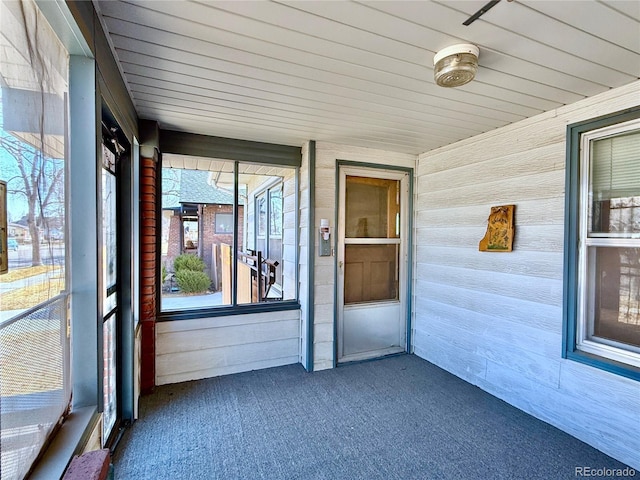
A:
(241, 222)
(190, 234)
(603, 308)
(268, 228)
(224, 223)
(34, 343)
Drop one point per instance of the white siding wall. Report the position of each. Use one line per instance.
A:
(208, 347)
(303, 251)
(327, 155)
(495, 319)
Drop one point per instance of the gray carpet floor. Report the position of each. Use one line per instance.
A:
(395, 418)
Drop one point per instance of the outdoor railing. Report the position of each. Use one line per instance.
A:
(34, 383)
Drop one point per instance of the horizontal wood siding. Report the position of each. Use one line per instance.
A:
(327, 156)
(209, 347)
(303, 252)
(495, 319)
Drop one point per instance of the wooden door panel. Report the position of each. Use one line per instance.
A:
(370, 273)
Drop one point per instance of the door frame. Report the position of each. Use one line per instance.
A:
(373, 168)
(126, 180)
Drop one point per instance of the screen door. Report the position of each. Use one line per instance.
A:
(372, 253)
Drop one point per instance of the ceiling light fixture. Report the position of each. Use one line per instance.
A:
(456, 65)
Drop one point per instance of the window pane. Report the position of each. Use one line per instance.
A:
(275, 211)
(203, 201)
(109, 375)
(190, 234)
(109, 250)
(616, 292)
(224, 223)
(275, 229)
(372, 208)
(34, 367)
(257, 241)
(615, 185)
(262, 215)
(266, 235)
(197, 236)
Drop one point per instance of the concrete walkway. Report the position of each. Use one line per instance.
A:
(6, 287)
(27, 282)
(184, 302)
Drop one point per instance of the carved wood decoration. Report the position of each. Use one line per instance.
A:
(500, 230)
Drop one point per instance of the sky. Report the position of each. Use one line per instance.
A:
(16, 203)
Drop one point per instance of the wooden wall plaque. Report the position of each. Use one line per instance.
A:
(500, 230)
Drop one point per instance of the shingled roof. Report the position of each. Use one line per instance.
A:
(195, 188)
(192, 186)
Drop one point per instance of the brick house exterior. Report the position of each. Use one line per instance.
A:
(197, 196)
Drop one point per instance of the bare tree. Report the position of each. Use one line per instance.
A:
(37, 177)
(40, 181)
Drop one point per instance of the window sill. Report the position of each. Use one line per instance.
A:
(605, 364)
(68, 442)
(228, 310)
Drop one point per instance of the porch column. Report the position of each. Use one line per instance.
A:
(149, 198)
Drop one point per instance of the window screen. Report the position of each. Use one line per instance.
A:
(34, 343)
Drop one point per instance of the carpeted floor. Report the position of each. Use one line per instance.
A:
(395, 418)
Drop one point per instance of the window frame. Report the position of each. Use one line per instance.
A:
(576, 346)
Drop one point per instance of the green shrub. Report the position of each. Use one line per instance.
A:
(192, 282)
(164, 273)
(188, 261)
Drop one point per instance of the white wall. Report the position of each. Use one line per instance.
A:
(303, 251)
(208, 347)
(495, 319)
(327, 155)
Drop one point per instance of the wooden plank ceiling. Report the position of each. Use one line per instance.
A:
(361, 73)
